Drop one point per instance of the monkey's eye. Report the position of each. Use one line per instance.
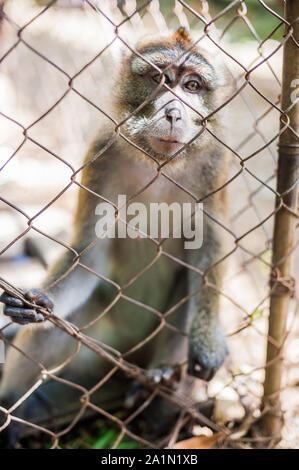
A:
(192, 85)
(158, 77)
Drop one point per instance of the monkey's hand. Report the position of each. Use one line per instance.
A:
(207, 351)
(164, 375)
(23, 314)
(168, 376)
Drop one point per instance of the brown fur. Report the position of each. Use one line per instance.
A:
(201, 168)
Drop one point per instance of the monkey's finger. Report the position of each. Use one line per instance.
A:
(42, 299)
(155, 375)
(136, 393)
(168, 373)
(12, 301)
(23, 315)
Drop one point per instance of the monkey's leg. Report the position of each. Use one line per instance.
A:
(207, 343)
(48, 346)
(51, 347)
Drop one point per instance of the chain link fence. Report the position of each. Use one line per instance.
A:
(55, 74)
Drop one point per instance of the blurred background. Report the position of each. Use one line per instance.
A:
(46, 125)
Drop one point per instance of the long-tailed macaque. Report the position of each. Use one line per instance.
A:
(180, 84)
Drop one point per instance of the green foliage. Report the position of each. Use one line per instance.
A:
(263, 21)
(256, 314)
(100, 437)
(107, 437)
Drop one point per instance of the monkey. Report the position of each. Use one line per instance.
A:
(168, 98)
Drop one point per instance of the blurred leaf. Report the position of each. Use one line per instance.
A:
(199, 442)
(256, 314)
(107, 437)
(128, 445)
(104, 441)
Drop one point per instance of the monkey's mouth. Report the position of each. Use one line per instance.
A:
(165, 145)
(167, 141)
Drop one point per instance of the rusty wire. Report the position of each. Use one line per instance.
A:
(242, 168)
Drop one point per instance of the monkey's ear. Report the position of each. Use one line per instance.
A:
(182, 35)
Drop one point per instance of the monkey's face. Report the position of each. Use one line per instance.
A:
(167, 90)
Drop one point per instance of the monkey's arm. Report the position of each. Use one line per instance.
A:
(206, 347)
(207, 343)
(72, 286)
(70, 283)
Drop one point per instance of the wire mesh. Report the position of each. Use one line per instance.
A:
(55, 86)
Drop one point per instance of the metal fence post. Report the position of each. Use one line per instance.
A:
(284, 226)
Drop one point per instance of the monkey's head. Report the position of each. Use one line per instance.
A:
(166, 90)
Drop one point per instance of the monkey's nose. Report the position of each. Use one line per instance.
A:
(173, 115)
